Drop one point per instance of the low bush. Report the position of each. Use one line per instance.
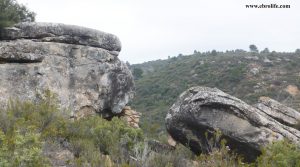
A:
(280, 154)
(25, 127)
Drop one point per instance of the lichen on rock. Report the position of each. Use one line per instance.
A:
(78, 64)
(200, 112)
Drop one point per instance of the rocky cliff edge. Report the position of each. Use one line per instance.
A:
(80, 65)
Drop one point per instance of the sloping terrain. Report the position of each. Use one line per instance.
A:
(245, 75)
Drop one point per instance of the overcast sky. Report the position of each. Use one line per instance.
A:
(156, 29)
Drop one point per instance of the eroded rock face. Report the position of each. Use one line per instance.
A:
(278, 111)
(200, 111)
(78, 64)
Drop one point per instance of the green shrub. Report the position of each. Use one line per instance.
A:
(21, 150)
(220, 157)
(144, 156)
(12, 12)
(280, 154)
(22, 127)
(94, 134)
(25, 127)
(220, 154)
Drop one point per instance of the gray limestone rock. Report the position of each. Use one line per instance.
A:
(200, 112)
(278, 111)
(61, 33)
(86, 73)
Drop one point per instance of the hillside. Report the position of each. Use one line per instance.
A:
(246, 75)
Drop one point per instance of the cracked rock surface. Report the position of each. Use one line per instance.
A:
(61, 33)
(200, 112)
(78, 64)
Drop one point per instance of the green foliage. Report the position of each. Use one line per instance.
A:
(17, 149)
(280, 154)
(143, 156)
(266, 50)
(96, 135)
(164, 80)
(253, 48)
(214, 53)
(137, 73)
(21, 132)
(25, 128)
(232, 76)
(220, 157)
(12, 12)
(220, 154)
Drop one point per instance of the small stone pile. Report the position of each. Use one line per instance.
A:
(131, 116)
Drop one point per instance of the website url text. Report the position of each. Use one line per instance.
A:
(271, 6)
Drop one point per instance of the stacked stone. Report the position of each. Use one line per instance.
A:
(131, 116)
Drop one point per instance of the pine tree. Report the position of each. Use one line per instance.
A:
(12, 12)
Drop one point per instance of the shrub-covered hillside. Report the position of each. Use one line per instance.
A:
(41, 135)
(246, 75)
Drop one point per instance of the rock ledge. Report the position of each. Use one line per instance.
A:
(61, 33)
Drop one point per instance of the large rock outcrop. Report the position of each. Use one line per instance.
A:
(78, 64)
(200, 112)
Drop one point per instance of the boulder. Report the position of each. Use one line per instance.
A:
(80, 65)
(201, 112)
